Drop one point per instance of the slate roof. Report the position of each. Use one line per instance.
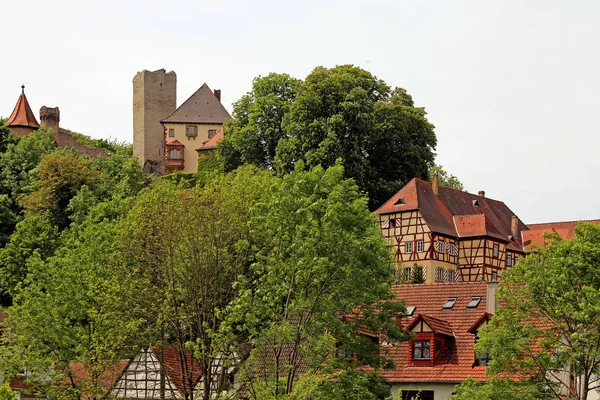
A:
(203, 107)
(535, 234)
(211, 143)
(22, 114)
(456, 213)
(456, 362)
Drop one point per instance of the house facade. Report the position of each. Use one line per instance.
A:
(448, 235)
(443, 321)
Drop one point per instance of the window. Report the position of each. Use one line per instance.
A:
(410, 310)
(171, 132)
(392, 222)
(474, 302)
(449, 303)
(453, 250)
(211, 133)
(175, 154)
(494, 276)
(439, 274)
(421, 350)
(516, 259)
(508, 260)
(191, 130)
(407, 274)
(450, 275)
(495, 250)
(440, 246)
(483, 359)
(409, 247)
(417, 394)
(420, 246)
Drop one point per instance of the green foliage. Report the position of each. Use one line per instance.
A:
(344, 385)
(4, 135)
(36, 238)
(549, 320)
(417, 274)
(6, 393)
(17, 163)
(59, 175)
(110, 144)
(444, 178)
(253, 134)
(8, 218)
(498, 389)
(71, 310)
(321, 257)
(338, 113)
(210, 167)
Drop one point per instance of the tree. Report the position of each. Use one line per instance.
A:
(546, 334)
(257, 127)
(321, 259)
(6, 393)
(345, 112)
(4, 135)
(190, 245)
(59, 176)
(444, 178)
(347, 384)
(73, 311)
(342, 112)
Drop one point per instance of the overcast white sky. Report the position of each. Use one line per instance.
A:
(512, 87)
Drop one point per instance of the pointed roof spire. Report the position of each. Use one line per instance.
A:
(22, 114)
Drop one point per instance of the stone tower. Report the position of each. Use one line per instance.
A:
(49, 119)
(154, 98)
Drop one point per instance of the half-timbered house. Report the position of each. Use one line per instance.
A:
(450, 235)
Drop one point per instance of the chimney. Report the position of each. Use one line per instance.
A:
(481, 193)
(491, 301)
(514, 225)
(49, 119)
(218, 94)
(434, 185)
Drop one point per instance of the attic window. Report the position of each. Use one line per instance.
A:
(392, 223)
(400, 201)
(410, 311)
(474, 302)
(475, 203)
(449, 303)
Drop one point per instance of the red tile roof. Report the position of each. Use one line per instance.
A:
(212, 142)
(175, 143)
(456, 213)
(108, 378)
(22, 114)
(535, 234)
(456, 362)
(179, 371)
(437, 325)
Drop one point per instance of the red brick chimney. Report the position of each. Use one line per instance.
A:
(434, 185)
(481, 193)
(218, 94)
(514, 225)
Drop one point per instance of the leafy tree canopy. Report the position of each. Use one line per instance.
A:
(342, 112)
(548, 328)
(445, 178)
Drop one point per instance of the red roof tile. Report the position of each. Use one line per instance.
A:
(456, 213)
(565, 229)
(179, 371)
(437, 325)
(212, 142)
(455, 362)
(175, 143)
(22, 114)
(108, 378)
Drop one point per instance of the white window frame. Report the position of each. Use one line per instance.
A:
(408, 247)
(420, 246)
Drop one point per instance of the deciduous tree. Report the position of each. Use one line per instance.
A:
(546, 334)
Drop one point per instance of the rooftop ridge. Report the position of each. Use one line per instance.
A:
(563, 222)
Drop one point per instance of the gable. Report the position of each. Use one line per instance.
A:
(203, 107)
(142, 379)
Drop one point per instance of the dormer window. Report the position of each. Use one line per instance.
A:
(449, 303)
(410, 311)
(400, 201)
(421, 350)
(474, 302)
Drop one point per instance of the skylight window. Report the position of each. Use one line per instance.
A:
(410, 311)
(449, 303)
(474, 302)
(400, 201)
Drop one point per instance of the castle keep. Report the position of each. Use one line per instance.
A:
(166, 138)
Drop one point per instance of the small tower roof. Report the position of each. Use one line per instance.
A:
(22, 114)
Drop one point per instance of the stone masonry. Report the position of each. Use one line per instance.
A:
(154, 98)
